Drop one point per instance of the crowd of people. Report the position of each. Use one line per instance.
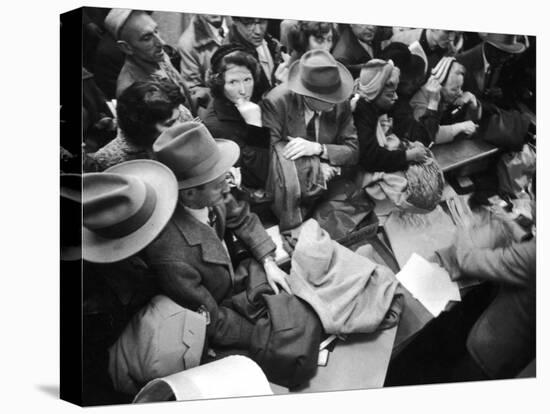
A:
(183, 144)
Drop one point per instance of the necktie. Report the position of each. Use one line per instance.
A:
(310, 128)
(221, 32)
(212, 218)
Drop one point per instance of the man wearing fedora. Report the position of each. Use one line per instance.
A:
(123, 210)
(190, 258)
(312, 114)
(485, 62)
(137, 35)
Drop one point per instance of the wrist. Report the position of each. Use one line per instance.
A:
(268, 259)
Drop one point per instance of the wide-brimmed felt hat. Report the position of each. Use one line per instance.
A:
(194, 156)
(318, 75)
(125, 208)
(71, 213)
(505, 42)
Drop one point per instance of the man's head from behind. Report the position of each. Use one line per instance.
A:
(251, 29)
(199, 162)
(136, 33)
(146, 108)
(322, 80)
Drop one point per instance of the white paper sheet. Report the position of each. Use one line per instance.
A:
(429, 283)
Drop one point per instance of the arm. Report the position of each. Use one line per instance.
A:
(182, 283)
(513, 265)
(273, 118)
(345, 151)
(372, 157)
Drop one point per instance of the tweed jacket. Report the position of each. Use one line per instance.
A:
(283, 114)
(194, 268)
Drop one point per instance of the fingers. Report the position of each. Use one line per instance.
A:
(286, 287)
(274, 287)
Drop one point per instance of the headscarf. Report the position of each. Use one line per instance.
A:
(442, 69)
(374, 75)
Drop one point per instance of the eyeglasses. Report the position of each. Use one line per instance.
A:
(249, 23)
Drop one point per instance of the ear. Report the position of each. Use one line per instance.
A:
(125, 47)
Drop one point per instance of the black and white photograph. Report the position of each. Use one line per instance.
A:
(283, 207)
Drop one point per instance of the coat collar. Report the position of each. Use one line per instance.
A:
(203, 32)
(226, 110)
(197, 233)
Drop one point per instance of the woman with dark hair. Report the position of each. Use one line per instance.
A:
(144, 110)
(305, 35)
(232, 115)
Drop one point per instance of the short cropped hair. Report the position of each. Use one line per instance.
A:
(142, 105)
(226, 55)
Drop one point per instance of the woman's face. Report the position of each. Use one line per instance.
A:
(388, 96)
(452, 88)
(238, 83)
(323, 42)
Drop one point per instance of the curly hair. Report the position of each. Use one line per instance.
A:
(226, 55)
(142, 105)
(298, 36)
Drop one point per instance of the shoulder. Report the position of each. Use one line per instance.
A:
(406, 36)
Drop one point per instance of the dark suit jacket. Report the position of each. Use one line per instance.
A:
(474, 80)
(283, 114)
(350, 53)
(194, 268)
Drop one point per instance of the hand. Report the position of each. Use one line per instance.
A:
(201, 96)
(467, 98)
(417, 154)
(468, 127)
(281, 73)
(433, 88)
(328, 171)
(251, 112)
(275, 276)
(300, 147)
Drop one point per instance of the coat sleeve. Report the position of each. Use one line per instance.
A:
(345, 151)
(248, 228)
(182, 283)
(513, 265)
(273, 118)
(372, 157)
(423, 129)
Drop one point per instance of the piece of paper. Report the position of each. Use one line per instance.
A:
(281, 256)
(429, 283)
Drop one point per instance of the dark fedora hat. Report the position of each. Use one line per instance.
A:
(318, 75)
(194, 156)
(505, 42)
(125, 208)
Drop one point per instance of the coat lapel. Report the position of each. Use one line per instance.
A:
(197, 233)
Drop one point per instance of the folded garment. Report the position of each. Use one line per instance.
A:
(349, 292)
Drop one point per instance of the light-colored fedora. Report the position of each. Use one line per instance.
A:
(318, 75)
(194, 156)
(125, 208)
